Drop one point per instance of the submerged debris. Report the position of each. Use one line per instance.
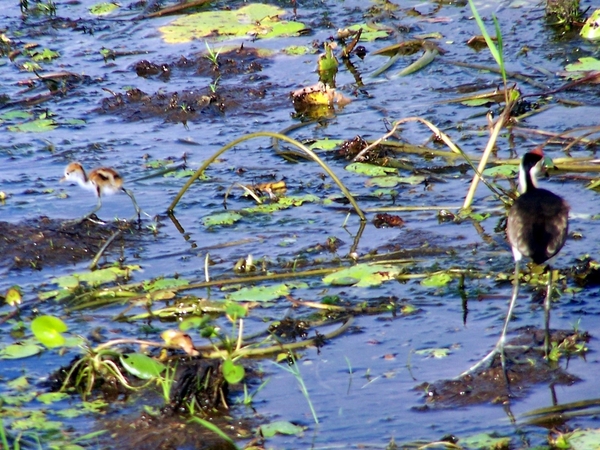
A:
(526, 367)
(46, 242)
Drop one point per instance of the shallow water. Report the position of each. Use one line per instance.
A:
(378, 400)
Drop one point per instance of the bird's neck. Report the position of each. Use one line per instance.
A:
(527, 179)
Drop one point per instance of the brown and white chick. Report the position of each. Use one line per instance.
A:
(102, 181)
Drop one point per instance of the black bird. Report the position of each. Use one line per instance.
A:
(537, 228)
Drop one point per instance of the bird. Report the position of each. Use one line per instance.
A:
(102, 181)
(537, 228)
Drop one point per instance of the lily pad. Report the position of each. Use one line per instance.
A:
(370, 169)
(280, 427)
(591, 29)
(484, 440)
(48, 330)
(437, 280)
(391, 181)
(326, 144)
(363, 275)
(369, 33)
(95, 278)
(586, 64)
(232, 372)
(256, 20)
(224, 218)
(101, 9)
(18, 351)
(503, 170)
(35, 126)
(261, 293)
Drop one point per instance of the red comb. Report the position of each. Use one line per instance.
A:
(537, 151)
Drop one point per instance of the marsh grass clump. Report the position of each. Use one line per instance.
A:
(563, 13)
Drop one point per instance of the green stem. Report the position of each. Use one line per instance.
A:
(290, 140)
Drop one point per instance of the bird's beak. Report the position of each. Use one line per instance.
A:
(62, 180)
(547, 164)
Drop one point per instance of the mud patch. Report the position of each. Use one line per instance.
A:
(207, 101)
(47, 242)
(526, 367)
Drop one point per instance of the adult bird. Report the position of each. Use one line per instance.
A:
(102, 181)
(537, 228)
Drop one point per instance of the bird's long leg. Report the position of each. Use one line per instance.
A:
(547, 313)
(502, 340)
(138, 210)
(499, 348)
(87, 216)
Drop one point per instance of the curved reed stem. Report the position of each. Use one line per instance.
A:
(288, 139)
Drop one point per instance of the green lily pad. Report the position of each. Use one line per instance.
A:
(232, 372)
(591, 29)
(19, 115)
(51, 397)
(35, 126)
(434, 352)
(18, 351)
(437, 280)
(101, 9)
(224, 218)
(369, 33)
(585, 64)
(256, 20)
(142, 366)
(260, 293)
(280, 427)
(484, 440)
(503, 170)
(370, 169)
(584, 439)
(391, 181)
(48, 330)
(326, 144)
(164, 283)
(95, 278)
(363, 275)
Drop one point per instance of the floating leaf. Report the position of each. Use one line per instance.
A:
(369, 33)
(363, 275)
(224, 218)
(326, 144)
(164, 283)
(233, 373)
(18, 351)
(437, 280)
(584, 439)
(280, 427)
(260, 293)
(256, 20)
(142, 366)
(95, 278)
(370, 169)
(101, 9)
(51, 397)
(48, 330)
(434, 352)
(586, 64)
(503, 170)
(484, 440)
(391, 181)
(12, 115)
(35, 126)
(591, 29)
